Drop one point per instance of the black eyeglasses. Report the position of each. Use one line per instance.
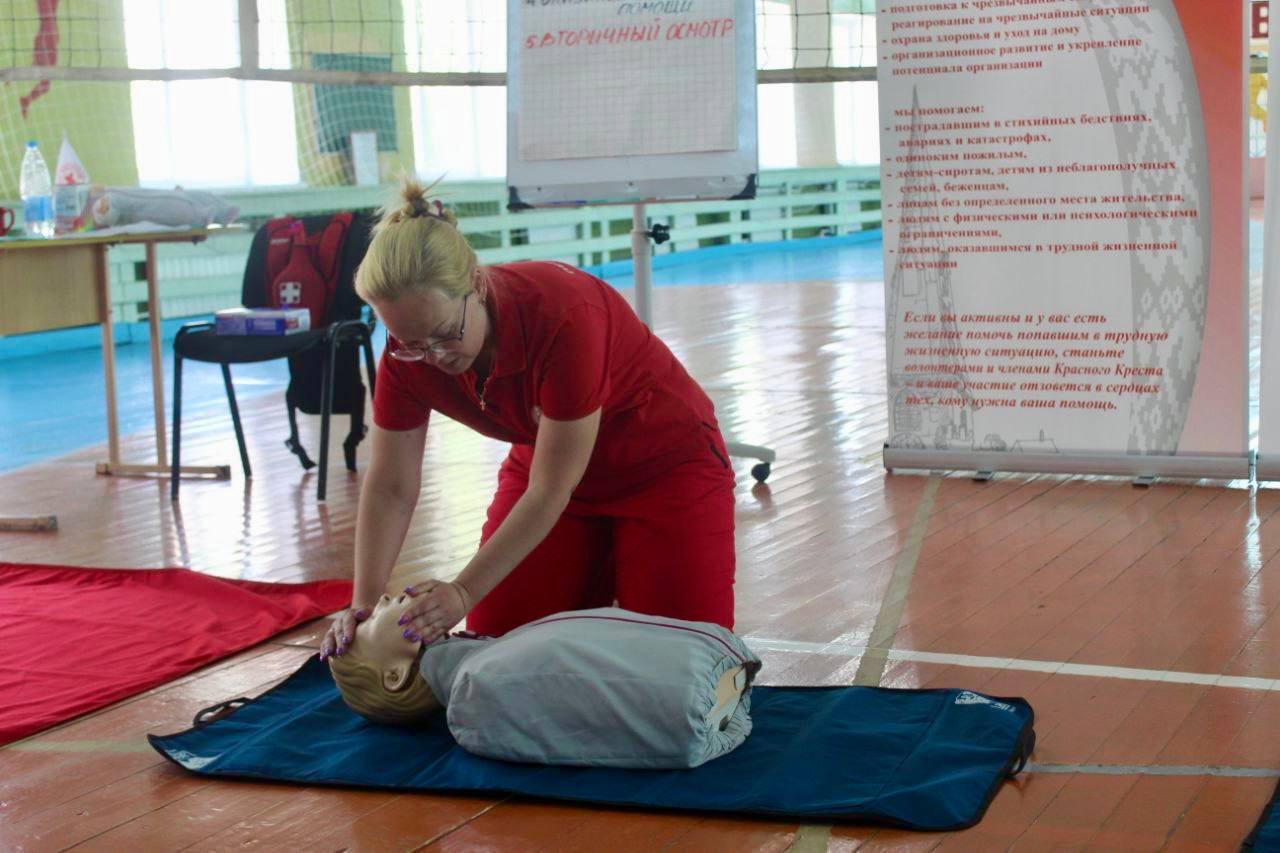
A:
(434, 346)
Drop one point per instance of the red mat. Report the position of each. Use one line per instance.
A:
(73, 640)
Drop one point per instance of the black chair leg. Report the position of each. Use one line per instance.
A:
(370, 368)
(326, 405)
(177, 427)
(235, 420)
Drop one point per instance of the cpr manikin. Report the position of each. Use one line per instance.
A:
(604, 687)
(177, 207)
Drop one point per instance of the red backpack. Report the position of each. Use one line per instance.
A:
(302, 270)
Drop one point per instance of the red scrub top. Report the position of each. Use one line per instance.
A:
(567, 344)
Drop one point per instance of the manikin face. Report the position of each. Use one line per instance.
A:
(382, 643)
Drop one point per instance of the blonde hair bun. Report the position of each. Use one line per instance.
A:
(413, 201)
(416, 245)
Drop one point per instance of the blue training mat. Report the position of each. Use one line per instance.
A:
(1266, 833)
(921, 759)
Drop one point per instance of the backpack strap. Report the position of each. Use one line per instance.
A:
(330, 242)
(328, 246)
(294, 443)
(356, 434)
(279, 246)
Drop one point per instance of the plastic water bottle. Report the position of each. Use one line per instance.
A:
(37, 193)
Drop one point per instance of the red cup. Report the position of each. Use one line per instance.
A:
(6, 221)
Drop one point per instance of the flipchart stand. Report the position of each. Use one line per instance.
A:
(642, 266)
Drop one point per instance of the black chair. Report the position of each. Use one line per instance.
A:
(335, 349)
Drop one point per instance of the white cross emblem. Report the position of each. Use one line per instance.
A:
(290, 292)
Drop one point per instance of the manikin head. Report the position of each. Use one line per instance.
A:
(378, 675)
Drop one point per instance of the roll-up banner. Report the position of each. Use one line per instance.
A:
(1269, 386)
(1065, 235)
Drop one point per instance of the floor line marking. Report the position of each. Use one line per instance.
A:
(1155, 770)
(811, 838)
(871, 666)
(81, 746)
(853, 650)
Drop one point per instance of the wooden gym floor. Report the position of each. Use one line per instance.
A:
(1142, 624)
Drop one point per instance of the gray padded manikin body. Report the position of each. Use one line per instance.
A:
(604, 687)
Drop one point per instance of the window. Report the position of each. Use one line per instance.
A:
(458, 131)
(857, 123)
(775, 102)
(853, 43)
(208, 133)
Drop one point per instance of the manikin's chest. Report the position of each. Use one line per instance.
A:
(603, 687)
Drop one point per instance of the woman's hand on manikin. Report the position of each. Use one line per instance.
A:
(437, 607)
(342, 630)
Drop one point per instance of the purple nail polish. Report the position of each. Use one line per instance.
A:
(345, 640)
(407, 633)
(402, 620)
(415, 638)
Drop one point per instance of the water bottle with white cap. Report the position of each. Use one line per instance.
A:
(36, 190)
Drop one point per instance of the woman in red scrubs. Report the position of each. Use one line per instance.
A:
(617, 486)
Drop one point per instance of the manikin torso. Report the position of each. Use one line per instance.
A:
(597, 687)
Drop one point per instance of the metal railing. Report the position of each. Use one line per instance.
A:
(791, 204)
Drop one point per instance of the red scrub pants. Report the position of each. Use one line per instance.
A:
(666, 550)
